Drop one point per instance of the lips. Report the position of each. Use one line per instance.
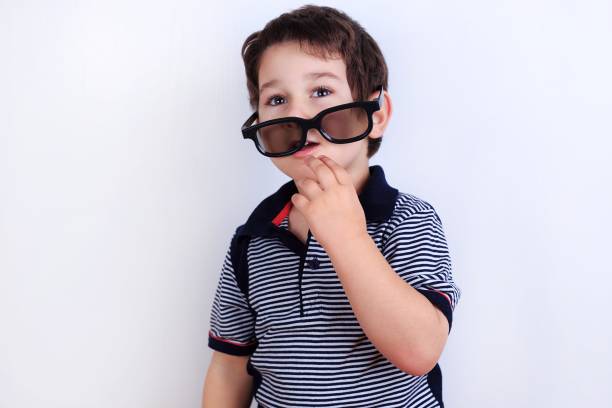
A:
(309, 148)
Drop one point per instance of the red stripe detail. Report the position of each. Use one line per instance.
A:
(210, 333)
(283, 213)
(447, 297)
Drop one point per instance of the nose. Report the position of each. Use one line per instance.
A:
(313, 134)
(301, 110)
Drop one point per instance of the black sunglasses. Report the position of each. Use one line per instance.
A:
(344, 123)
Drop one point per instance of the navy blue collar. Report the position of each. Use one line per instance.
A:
(377, 199)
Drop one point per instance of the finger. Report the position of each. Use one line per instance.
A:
(300, 202)
(338, 171)
(325, 176)
(309, 188)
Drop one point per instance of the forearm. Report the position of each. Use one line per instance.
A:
(401, 323)
(227, 387)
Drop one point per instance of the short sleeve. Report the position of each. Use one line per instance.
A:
(416, 249)
(232, 324)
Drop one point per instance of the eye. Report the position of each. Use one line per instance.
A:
(273, 98)
(322, 89)
(318, 90)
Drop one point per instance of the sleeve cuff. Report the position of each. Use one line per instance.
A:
(230, 346)
(441, 301)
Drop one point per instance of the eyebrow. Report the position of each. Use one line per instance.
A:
(312, 75)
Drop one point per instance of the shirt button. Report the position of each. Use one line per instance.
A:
(313, 263)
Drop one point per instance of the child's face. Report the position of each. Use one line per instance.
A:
(295, 93)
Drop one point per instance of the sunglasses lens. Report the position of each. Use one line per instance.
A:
(345, 123)
(280, 137)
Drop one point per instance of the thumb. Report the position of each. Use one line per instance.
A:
(299, 201)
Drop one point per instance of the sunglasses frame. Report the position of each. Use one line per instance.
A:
(250, 132)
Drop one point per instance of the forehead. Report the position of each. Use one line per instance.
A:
(286, 63)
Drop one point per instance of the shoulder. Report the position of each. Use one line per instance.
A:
(408, 206)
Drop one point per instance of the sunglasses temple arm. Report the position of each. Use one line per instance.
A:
(249, 120)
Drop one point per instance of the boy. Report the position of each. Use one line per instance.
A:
(349, 296)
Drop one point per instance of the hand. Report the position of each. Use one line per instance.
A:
(330, 203)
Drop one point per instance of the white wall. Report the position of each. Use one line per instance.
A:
(123, 174)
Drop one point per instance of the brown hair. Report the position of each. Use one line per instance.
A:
(322, 31)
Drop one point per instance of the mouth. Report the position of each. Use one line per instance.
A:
(308, 148)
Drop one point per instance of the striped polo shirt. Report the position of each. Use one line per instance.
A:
(305, 345)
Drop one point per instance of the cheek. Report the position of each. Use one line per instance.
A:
(345, 153)
(348, 149)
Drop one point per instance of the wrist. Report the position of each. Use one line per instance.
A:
(350, 244)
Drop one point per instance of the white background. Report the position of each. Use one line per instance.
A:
(123, 174)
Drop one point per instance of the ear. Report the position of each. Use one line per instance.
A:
(382, 116)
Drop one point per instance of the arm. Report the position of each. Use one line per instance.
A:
(227, 382)
(391, 293)
(232, 338)
(401, 323)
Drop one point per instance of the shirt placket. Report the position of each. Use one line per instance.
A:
(309, 263)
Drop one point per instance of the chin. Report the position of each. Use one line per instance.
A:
(293, 167)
